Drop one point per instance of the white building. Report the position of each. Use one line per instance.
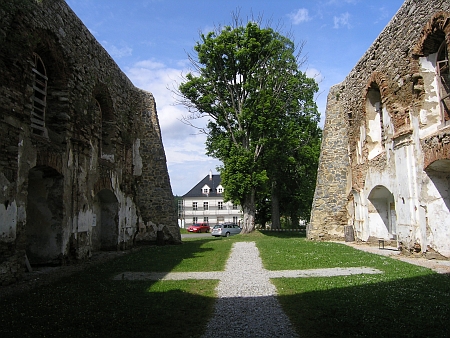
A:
(204, 203)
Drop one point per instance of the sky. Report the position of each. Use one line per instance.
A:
(150, 41)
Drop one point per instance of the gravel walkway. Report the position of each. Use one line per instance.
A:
(247, 305)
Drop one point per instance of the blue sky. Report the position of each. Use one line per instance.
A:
(149, 40)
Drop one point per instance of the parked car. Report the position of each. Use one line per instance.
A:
(199, 227)
(225, 230)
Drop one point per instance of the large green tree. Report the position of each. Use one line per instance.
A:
(291, 155)
(246, 79)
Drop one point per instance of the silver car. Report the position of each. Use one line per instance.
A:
(225, 230)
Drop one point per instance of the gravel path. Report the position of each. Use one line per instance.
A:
(247, 305)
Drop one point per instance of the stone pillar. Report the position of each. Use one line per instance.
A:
(328, 214)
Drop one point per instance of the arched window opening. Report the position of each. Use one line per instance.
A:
(39, 97)
(97, 118)
(374, 121)
(443, 74)
(107, 127)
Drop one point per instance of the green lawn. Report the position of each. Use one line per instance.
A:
(405, 300)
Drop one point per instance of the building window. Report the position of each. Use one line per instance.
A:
(220, 190)
(443, 74)
(194, 220)
(205, 205)
(235, 219)
(194, 205)
(39, 97)
(180, 209)
(235, 207)
(205, 190)
(220, 205)
(205, 219)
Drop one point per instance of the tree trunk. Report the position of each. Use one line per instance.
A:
(275, 207)
(295, 221)
(249, 209)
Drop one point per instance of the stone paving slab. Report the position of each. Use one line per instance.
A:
(329, 272)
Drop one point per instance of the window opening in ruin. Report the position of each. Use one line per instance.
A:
(39, 97)
(98, 114)
(375, 134)
(442, 69)
(380, 112)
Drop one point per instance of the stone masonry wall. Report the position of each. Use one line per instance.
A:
(330, 197)
(391, 65)
(96, 176)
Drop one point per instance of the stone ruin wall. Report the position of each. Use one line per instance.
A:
(329, 215)
(73, 164)
(391, 62)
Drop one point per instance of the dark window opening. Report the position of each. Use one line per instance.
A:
(39, 97)
(442, 69)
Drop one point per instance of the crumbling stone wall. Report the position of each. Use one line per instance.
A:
(88, 174)
(330, 197)
(388, 120)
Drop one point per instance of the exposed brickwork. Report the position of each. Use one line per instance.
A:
(98, 173)
(413, 136)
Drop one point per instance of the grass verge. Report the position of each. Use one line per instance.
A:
(405, 300)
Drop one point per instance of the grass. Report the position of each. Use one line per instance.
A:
(405, 300)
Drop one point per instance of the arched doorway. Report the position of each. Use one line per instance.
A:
(45, 209)
(382, 215)
(105, 232)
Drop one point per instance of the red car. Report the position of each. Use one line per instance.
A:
(199, 227)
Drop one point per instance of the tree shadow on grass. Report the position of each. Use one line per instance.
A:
(91, 304)
(284, 234)
(411, 307)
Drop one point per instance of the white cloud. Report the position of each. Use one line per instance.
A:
(342, 20)
(315, 74)
(300, 16)
(184, 146)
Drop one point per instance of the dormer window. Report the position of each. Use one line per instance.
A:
(206, 189)
(219, 189)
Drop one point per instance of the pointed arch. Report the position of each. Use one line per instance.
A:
(104, 116)
(374, 96)
(434, 43)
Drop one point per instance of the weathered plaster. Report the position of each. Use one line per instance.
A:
(407, 159)
(97, 173)
(8, 221)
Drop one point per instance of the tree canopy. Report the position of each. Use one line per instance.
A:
(261, 109)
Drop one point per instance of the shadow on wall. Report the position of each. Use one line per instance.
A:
(45, 210)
